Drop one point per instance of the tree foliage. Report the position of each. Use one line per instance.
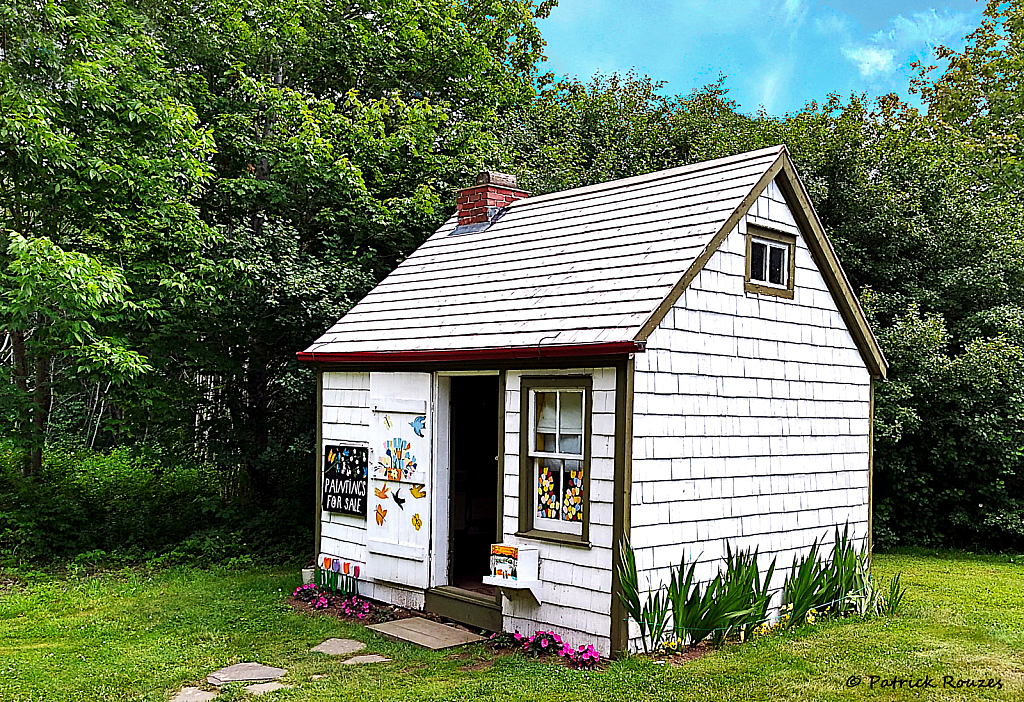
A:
(937, 259)
(192, 192)
(99, 163)
(981, 94)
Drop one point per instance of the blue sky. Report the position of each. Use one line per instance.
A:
(778, 54)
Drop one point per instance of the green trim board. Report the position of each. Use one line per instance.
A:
(527, 486)
(319, 458)
(871, 470)
(499, 529)
(783, 171)
(622, 491)
(472, 609)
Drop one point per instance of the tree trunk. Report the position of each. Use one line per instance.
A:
(42, 396)
(257, 390)
(21, 382)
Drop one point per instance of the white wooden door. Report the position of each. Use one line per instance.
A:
(398, 519)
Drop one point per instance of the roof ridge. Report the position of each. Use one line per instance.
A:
(653, 175)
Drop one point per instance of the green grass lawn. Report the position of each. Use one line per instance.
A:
(136, 636)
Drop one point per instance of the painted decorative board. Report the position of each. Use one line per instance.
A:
(344, 484)
(398, 534)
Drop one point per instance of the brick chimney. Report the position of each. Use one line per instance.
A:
(493, 191)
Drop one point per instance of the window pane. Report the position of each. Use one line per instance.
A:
(572, 499)
(547, 412)
(571, 443)
(572, 413)
(549, 480)
(776, 258)
(758, 253)
(546, 443)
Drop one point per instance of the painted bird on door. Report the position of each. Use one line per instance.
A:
(418, 425)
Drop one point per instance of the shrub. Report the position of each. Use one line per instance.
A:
(804, 588)
(542, 643)
(548, 643)
(743, 576)
(136, 504)
(891, 604)
(504, 640)
(583, 658)
(355, 607)
(311, 594)
(731, 601)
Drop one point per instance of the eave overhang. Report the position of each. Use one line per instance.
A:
(509, 353)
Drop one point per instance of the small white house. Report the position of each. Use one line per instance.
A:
(677, 358)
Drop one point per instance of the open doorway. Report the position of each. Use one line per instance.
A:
(473, 491)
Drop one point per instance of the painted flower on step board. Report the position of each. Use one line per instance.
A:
(397, 463)
(572, 500)
(547, 493)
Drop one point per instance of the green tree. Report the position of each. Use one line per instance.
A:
(981, 94)
(99, 161)
(343, 130)
(52, 302)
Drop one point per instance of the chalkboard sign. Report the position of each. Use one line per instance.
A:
(345, 479)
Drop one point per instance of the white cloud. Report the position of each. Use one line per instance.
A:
(871, 59)
(774, 85)
(908, 37)
(927, 28)
(833, 24)
(794, 9)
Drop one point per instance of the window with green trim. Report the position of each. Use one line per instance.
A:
(556, 427)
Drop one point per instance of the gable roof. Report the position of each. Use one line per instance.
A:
(584, 272)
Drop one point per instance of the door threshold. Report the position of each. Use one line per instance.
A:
(472, 596)
(471, 608)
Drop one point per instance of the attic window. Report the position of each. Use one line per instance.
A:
(770, 262)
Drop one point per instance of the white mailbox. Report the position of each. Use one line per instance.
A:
(515, 569)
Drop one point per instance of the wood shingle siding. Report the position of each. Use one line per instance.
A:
(750, 417)
(720, 410)
(576, 580)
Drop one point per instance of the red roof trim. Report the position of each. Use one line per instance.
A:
(614, 348)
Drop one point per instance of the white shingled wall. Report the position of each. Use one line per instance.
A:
(576, 582)
(750, 417)
(576, 590)
(346, 419)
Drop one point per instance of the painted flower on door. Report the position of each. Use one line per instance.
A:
(397, 461)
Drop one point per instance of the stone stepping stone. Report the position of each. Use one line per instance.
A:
(245, 672)
(368, 658)
(426, 633)
(264, 688)
(193, 694)
(339, 647)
